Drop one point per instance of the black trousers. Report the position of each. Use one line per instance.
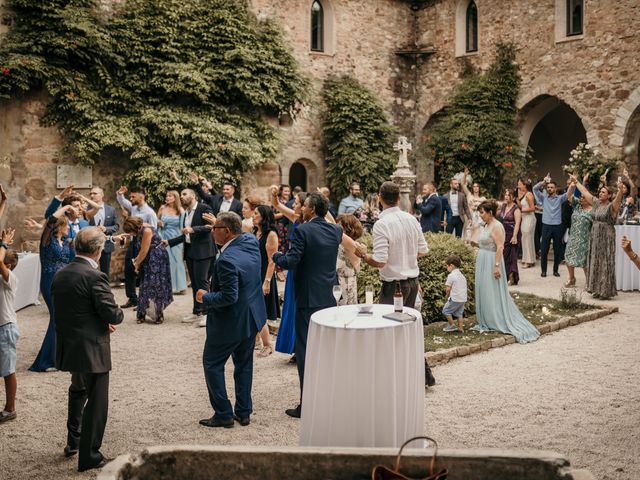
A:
(303, 317)
(538, 233)
(551, 233)
(455, 225)
(200, 272)
(105, 263)
(408, 287)
(130, 273)
(87, 416)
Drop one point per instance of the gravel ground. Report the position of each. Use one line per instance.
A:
(576, 392)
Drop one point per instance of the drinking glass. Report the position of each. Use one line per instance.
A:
(337, 293)
(368, 295)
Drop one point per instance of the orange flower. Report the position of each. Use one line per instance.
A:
(507, 165)
(509, 148)
(5, 71)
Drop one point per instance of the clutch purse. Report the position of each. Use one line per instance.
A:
(400, 317)
(382, 472)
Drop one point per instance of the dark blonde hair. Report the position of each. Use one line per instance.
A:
(253, 201)
(351, 226)
(176, 200)
(132, 225)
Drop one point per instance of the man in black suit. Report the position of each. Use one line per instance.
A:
(105, 218)
(218, 203)
(86, 314)
(199, 249)
(430, 208)
(312, 256)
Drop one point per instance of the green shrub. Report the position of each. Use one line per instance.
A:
(433, 274)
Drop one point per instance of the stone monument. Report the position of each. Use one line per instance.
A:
(403, 176)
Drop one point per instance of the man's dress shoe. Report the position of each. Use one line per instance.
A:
(100, 464)
(217, 422)
(244, 421)
(130, 303)
(70, 452)
(294, 412)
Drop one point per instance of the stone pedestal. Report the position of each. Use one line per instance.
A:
(403, 176)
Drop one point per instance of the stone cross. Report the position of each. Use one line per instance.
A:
(403, 147)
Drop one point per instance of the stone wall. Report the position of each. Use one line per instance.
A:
(595, 74)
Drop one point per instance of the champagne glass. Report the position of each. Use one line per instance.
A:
(368, 295)
(337, 293)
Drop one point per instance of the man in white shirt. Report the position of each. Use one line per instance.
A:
(398, 242)
(460, 212)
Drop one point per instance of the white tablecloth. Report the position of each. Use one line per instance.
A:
(627, 274)
(28, 273)
(364, 384)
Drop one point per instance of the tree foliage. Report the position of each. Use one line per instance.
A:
(167, 84)
(477, 128)
(358, 138)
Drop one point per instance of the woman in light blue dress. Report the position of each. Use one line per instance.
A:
(495, 309)
(170, 220)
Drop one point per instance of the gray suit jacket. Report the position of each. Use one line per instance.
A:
(84, 307)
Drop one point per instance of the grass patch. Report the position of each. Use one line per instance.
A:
(537, 310)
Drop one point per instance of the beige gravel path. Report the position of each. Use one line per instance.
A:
(576, 391)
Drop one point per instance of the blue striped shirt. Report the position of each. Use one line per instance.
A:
(551, 205)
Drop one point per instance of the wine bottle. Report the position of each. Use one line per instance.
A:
(397, 299)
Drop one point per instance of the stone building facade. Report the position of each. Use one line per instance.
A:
(579, 87)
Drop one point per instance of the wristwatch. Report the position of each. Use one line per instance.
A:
(6, 247)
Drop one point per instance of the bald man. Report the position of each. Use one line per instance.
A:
(105, 219)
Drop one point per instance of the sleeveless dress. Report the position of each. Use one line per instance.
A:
(601, 281)
(155, 285)
(347, 277)
(286, 340)
(171, 229)
(578, 245)
(53, 257)
(510, 255)
(271, 301)
(528, 229)
(473, 228)
(495, 309)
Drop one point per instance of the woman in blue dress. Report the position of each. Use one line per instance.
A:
(152, 263)
(170, 219)
(55, 252)
(495, 309)
(286, 339)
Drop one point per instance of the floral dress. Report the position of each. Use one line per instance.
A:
(601, 280)
(578, 246)
(348, 279)
(155, 285)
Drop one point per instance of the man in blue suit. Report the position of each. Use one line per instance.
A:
(446, 214)
(68, 197)
(105, 219)
(236, 313)
(430, 208)
(312, 255)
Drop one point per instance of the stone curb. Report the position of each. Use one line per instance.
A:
(444, 356)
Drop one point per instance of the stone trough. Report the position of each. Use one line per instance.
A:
(291, 463)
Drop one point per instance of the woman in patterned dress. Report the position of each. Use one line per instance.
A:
(578, 246)
(601, 273)
(510, 218)
(152, 263)
(348, 264)
(474, 198)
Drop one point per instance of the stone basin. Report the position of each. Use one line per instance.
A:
(297, 463)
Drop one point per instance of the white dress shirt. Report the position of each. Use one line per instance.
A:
(225, 206)
(187, 221)
(397, 240)
(98, 218)
(453, 203)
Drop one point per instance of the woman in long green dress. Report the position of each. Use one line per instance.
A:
(601, 273)
(578, 246)
(495, 309)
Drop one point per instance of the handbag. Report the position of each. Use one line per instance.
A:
(381, 472)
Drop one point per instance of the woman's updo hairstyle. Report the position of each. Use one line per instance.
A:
(489, 206)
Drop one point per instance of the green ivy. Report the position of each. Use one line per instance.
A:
(477, 127)
(433, 274)
(358, 138)
(164, 84)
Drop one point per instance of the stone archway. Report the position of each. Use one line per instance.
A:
(551, 129)
(626, 132)
(298, 176)
(303, 173)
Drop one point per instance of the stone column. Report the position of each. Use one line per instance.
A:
(403, 176)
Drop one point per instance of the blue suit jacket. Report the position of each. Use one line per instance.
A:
(55, 205)
(313, 255)
(110, 226)
(446, 209)
(236, 308)
(431, 210)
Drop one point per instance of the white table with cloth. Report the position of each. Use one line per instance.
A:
(28, 273)
(627, 274)
(364, 383)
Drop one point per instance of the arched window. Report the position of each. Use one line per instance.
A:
(574, 17)
(472, 27)
(317, 27)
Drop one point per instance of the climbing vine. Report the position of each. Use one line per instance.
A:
(164, 84)
(358, 138)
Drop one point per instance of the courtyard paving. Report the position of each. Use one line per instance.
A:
(575, 391)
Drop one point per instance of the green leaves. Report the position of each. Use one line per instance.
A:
(165, 83)
(357, 136)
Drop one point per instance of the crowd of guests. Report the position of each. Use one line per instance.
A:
(234, 250)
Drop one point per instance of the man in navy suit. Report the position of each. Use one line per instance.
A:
(105, 219)
(68, 197)
(445, 216)
(430, 208)
(236, 313)
(313, 254)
